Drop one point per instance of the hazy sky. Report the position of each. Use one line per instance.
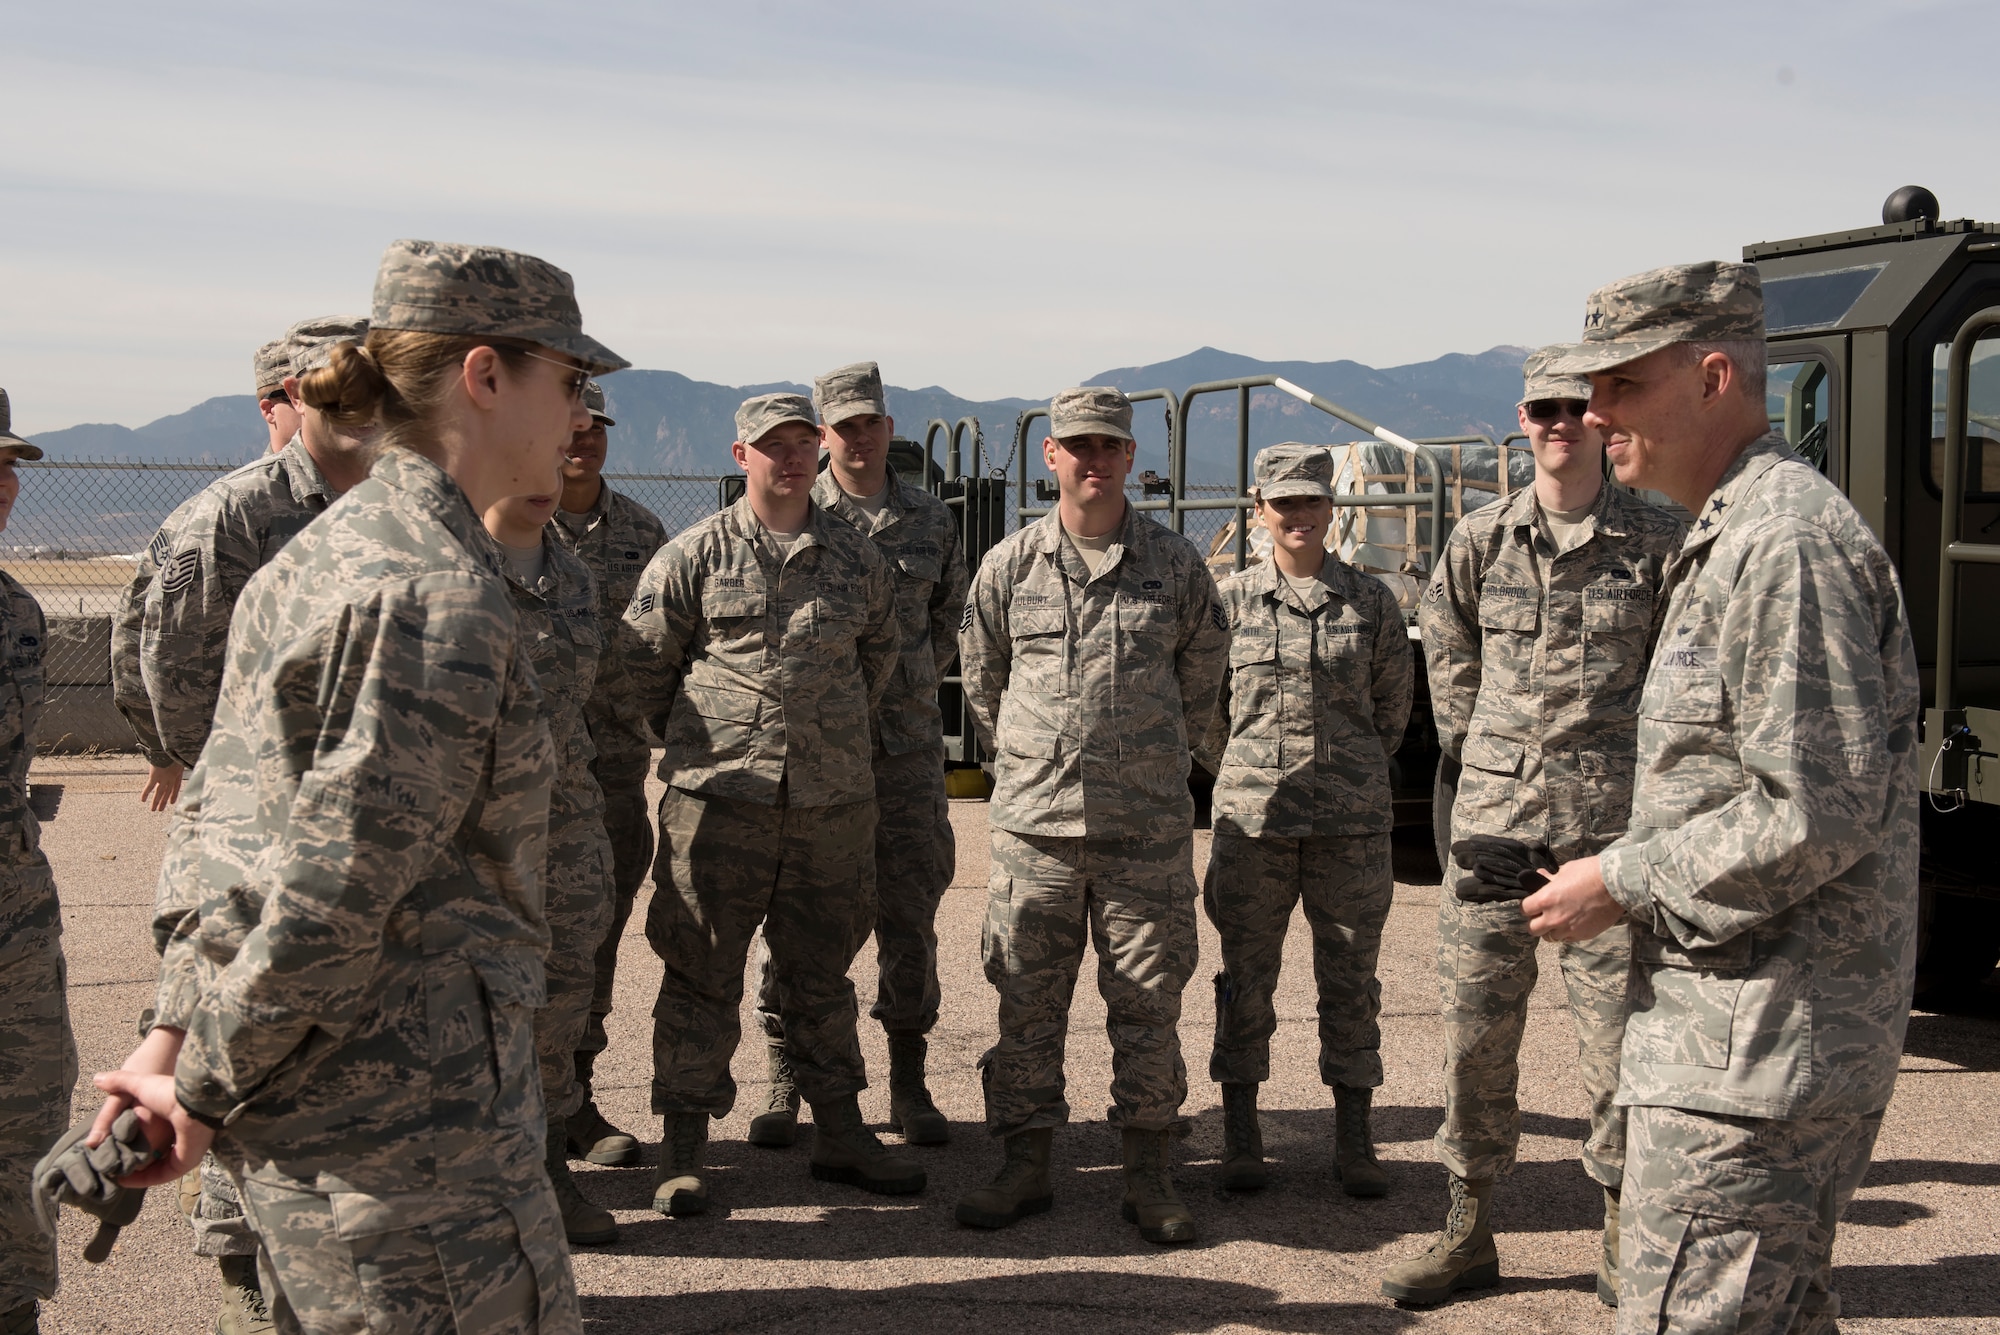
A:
(998, 198)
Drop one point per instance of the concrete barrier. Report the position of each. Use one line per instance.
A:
(80, 716)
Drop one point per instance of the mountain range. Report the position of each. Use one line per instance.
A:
(668, 423)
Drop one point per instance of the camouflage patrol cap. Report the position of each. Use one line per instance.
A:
(1540, 382)
(758, 416)
(440, 287)
(1292, 469)
(309, 344)
(850, 391)
(1090, 410)
(270, 366)
(21, 449)
(593, 401)
(1715, 300)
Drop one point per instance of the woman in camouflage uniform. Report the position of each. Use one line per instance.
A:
(1318, 693)
(345, 1008)
(37, 1054)
(556, 600)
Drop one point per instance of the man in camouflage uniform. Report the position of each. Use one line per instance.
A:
(1769, 879)
(269, 367)
(759, 645)
(1536, 628)
(914, 850)
(614, 536)
(37, 1054)
(1317, 696)
(557, 605)
(272, 367)
(186, 587)
(1092, 649)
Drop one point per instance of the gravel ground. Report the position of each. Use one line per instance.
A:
(1919, 1251)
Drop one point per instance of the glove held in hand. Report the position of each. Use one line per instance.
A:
(87, 1177)
(1500, 869)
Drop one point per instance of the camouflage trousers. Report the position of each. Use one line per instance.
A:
(1253, 884)
(577, 896)
(481, 1256)
(628, 823)
(807, 876)
(1133, 899)
(1487, 966)
(915, 856)
(1726, 1224)
(37, 1068)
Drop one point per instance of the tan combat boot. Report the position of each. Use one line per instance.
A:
(1607, 1261)
(1150, 1199)
(1461, 1257)
(1242, 1140)
(911, 1112)
(1354, 1144)
(583, 1222)
(243, 1311)
(1021, 1189)
(777, 1127)
(677, 1185)
(591, 1137)
(845, 1150)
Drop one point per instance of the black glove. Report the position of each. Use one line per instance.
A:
(76, 1174)
(1501, 869)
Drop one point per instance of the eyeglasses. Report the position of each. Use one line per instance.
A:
(1550, 410)
(577, 382)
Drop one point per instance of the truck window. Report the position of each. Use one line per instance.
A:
(1815, 300)
(1796, 397)
(1982, 428)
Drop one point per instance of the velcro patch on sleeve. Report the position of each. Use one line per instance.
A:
(180, 570)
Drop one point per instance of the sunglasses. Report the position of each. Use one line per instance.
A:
(578, 380)
(1550, 410)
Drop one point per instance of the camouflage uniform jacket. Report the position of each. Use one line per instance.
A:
(128, 683)
(1536, 662)
(1316, 699)
(221, 538)
(565, 638)
(354, 922)
(1771, 870)
(754, 674)
(919, 539)
(1090, 691)
(24, 901)
(619, 537)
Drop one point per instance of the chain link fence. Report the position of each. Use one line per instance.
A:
(76, 536)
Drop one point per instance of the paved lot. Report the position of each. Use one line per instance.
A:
(1920, 1250)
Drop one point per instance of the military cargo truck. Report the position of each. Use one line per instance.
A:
(1885, 371)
